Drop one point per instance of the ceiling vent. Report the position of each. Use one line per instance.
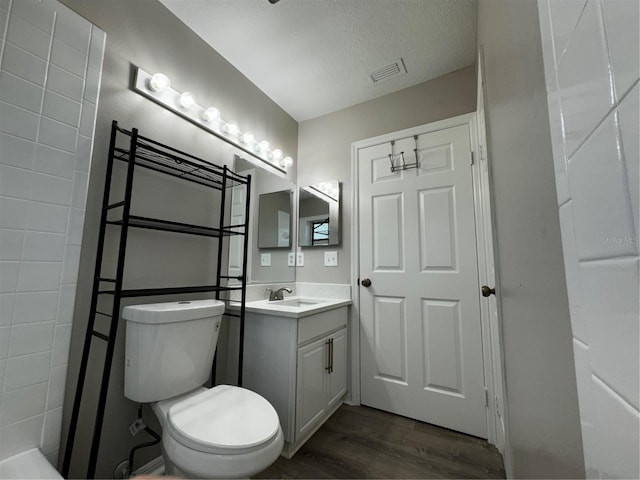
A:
(393, 69)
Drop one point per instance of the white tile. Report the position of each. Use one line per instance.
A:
(4, 15)
(618, 426)
(19, 92)
(3, 365)
(57, 381)
(65, 83)
(546, 35)
(36, 276)
(54, 162)
(598, 190)
(572, 273)
(621, 24)
(26, 370)
(52, 430)
(88, 119)
(80, 185)
(47, 217)
(13, 212)
(52, 458)
(9, 277)
(83, 153)
(96, 50)
(5, 336)
(15, 182)
(43, 246)
(72, 29)
(11, 244)
(61, 108)
(611, 312)
(58, 135)
(76, 224)
(36, 12)
(564, 18)
(7, 302)
(29, 37)
(16, 151)
(61, 345)
(20, 436)
(31, 338)
(66, 304)
(92, 86)
(22, 404)
(24, 64)
(71, 264)
(557, 142)
(50, 189)
(68, 58)
(18, 122)
(583, 74)
(35, 307)
(629, 127)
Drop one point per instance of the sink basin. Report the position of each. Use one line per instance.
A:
(297, 302)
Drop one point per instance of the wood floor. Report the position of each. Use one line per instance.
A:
(361, 442)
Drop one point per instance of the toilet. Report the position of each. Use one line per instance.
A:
(221, 432)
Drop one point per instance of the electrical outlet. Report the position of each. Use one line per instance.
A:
(291, 259)
(300, 259)
(265, 260)
(330, 259)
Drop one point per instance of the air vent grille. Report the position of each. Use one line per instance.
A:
(388, 71)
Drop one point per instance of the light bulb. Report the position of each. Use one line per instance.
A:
(263, 146)
(248, 138)
(231, 128)
(186, 100)
(210, 114)
(159, 82)
(276, 154)
(286, 162)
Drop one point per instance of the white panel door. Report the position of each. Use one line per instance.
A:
(421, 347)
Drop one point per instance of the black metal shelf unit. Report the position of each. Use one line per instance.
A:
(138, 151)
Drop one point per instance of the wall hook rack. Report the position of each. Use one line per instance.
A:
(403, 165)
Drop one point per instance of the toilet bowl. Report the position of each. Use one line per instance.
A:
(222, 432)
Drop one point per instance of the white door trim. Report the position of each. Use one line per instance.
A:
(466, 119)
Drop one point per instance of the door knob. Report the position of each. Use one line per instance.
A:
(486, 291)
(365, 282)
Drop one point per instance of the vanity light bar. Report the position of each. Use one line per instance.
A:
(157, 87)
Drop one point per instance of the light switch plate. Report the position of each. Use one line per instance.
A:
(265, 260)
(330, 259)
(291, 259)
(300, 259)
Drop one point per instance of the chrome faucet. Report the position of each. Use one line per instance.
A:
(277, 294)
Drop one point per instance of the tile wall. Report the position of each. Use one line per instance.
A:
(50, 67)
(591, 52)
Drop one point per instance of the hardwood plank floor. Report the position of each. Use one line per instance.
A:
(361, 442)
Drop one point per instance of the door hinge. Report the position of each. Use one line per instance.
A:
(486, 397)
(471, 158)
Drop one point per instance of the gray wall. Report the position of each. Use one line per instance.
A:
(543, 422)
(144, 33)
(324, 147)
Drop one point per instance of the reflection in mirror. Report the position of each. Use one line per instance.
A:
(263, 182)
(274, 219)
(319, 214)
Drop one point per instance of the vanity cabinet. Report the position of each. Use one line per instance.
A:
(300, 366)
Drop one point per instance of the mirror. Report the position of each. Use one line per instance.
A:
(271, 190)
(319, 214)
(274, 219)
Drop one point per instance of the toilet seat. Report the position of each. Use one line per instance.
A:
(223, 420)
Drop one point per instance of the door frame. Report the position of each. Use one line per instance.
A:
(481, 204)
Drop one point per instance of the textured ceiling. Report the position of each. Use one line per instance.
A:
(313, 57)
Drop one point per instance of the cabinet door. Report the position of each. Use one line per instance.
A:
(337, 379)
(312, 376)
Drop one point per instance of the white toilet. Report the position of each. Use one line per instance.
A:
(222, 432)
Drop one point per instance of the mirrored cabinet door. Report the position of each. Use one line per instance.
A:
(319, 214)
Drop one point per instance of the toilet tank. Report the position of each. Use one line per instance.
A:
(169, 347)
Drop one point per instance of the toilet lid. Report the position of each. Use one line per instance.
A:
(223, 418)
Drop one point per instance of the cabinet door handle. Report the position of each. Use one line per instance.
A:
(328, 344)
(331, 364)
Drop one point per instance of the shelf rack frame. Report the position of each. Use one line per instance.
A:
(149, 154)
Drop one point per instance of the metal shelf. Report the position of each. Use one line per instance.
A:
(186, 228)
(149, 292)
